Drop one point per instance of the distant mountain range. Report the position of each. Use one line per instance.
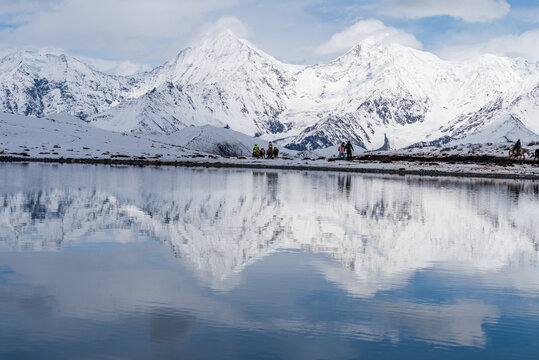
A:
(375, 95)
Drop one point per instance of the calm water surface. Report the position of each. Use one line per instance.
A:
(141, 263)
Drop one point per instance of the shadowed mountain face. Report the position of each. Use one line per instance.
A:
(381, 230)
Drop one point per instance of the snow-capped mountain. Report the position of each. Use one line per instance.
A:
(526, 107)
(39, 84)
(507, 128)
(223, 81)
(377, 91)
(373, 95)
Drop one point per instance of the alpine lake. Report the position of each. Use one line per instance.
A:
(105, 262)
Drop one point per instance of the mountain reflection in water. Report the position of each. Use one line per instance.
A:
(364, 235)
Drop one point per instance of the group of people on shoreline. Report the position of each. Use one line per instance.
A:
(273, 152)
(270, 153)
(348, 148)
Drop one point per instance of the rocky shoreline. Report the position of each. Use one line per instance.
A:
(394, 164)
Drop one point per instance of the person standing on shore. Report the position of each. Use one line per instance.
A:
(341, 151)
(270, 150)
(517, 146)
(349, 149)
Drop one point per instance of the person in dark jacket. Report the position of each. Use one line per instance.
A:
(349, 149)
(517, 146)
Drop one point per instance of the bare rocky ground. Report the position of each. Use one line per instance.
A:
(486, 166)
(483, 159)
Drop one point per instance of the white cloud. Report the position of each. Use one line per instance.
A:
(138, 32)
(238, 27)
(123, 68)
(366, 29)
(467, 10)
(135, 29)
(522, 45)
(529, 15)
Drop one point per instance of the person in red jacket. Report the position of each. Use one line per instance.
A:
(341, 151)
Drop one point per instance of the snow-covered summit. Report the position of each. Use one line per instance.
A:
(221, 81)
(376, 91)
(222, 56)
(44, 63)
(39, 83)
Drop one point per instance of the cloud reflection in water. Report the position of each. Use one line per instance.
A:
(375, 233)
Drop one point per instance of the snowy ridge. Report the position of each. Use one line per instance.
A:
(212, 140)
(373, 92)
(63, 135)
(505, 129)
(223, 81)
(40, 84)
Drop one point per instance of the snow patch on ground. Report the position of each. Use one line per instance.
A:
(218, 141)
(67, 136)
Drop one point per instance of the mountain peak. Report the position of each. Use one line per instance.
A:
(32, 59)
(379, 45)
(32, 55)
(226, 36)
(223, 43)
(218, 52)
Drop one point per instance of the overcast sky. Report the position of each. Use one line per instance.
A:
(124, 36)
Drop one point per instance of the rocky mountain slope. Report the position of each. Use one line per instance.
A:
(40, 84)
(375, 94)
